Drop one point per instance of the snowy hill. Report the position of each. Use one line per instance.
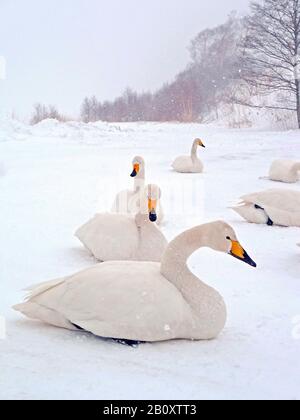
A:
(57, 175)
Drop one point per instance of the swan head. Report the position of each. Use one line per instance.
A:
(138, 164)
(199, 142)
(224, 239)
(153, 195)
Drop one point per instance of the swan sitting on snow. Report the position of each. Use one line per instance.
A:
(130, 201)
(141, 301)
(189, 164)
(285, 171)
(124, 237)
(271, 207)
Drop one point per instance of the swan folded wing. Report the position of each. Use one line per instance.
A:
(119, 300)
(110, 237)
(183, 163)
(249, 213)
(286, 200)
(284, 170)
(282, 217)
(37, 289)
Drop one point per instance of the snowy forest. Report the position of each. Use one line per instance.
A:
(252, 61)
(249, 62)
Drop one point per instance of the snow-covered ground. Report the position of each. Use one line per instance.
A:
(53, 177)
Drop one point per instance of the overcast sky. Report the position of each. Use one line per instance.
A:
(58, 51)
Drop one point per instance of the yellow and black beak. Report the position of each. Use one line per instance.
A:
(152, 205)
(136, 170)
(237, 251)
(201, 143)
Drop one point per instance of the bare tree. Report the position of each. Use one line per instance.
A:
(271, 61)
(42, 112)
(86, 110)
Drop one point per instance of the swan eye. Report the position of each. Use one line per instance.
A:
(228, 237)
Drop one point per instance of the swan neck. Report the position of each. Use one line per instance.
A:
(139, 180)
(194, 151)
(174, 263)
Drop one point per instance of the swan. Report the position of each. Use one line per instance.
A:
(125, 200)
(125, 237)
(141, 301)
(129, 202)
(285, 171)
(273, 207)
(189, 164)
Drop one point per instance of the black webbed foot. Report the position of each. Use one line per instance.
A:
(129, 343)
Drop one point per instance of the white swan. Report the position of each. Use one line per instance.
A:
(141, 301)
(189, 164)
(124, 237)
(130, 201)
(272, 207)
(285, 171)
(127, 201)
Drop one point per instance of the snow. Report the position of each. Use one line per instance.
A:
(58, 175)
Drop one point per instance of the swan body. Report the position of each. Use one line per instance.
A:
(189, 164)
(285, 171)
(275, 206)
(124, 237)
(130, 201)
(141, 301)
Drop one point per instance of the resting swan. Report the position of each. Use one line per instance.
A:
(189, 164)
(285, 171)
(129, 202)
(141, 301)
(272, 207)
(124, 237)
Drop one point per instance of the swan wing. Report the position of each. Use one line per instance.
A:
(285, 200)
(126, 300)
(110, 237)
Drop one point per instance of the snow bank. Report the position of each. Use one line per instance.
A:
(238, 116)
(13, 130)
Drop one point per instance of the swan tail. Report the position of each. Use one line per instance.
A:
(38, 289)
(39, 312)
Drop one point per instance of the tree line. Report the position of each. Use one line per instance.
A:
(244, 59)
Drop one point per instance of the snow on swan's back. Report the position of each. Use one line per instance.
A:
(141, 301)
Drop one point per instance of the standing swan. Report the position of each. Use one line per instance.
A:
(189, 164)
(271, 207)
(124, 237)
(141, 301)
(285, 171)
(130, 202)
